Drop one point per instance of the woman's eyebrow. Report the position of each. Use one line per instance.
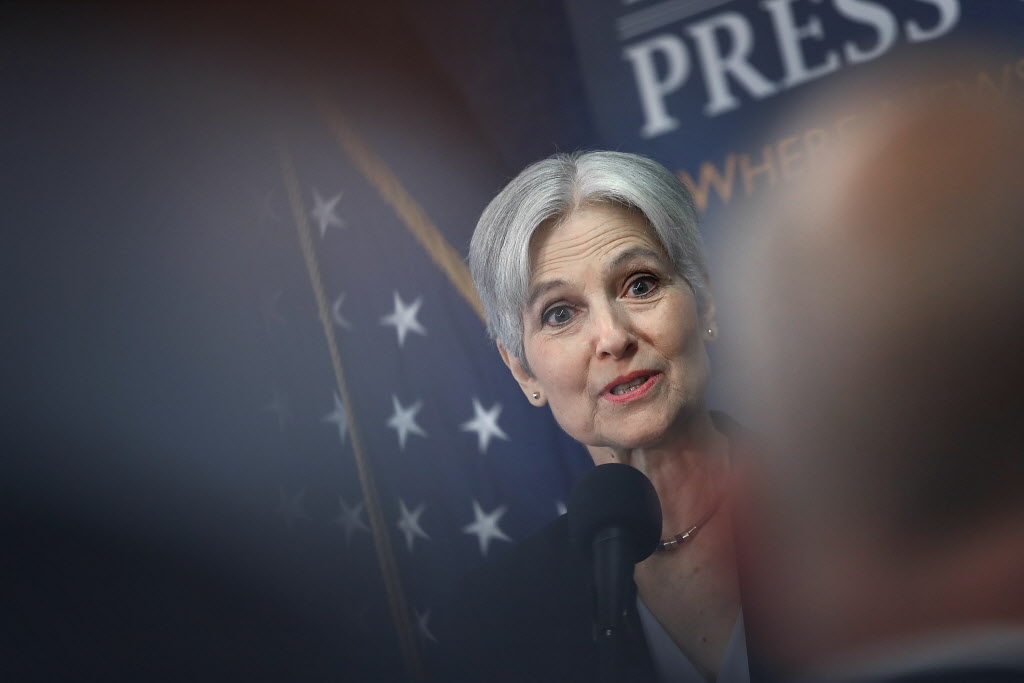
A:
(632, 254)
(542, 288)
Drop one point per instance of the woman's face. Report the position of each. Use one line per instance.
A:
(611, 331)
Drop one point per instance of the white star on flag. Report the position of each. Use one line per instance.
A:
(485, 526)
(409, 523)
(291, 507)
(337, 416)
(423, 625)
(404, 421)
(336, 315)
(351, 518)
(278, 405)
(404, 318)
(485, 424)
(323, 212)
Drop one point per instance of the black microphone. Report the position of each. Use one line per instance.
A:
(614, 522)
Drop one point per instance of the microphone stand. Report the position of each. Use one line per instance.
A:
(613, 574)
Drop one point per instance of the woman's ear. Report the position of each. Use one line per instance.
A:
(527, 382)
(709, 321)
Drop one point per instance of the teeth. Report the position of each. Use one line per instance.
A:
(626, 387)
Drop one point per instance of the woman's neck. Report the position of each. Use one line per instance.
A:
(688, 471)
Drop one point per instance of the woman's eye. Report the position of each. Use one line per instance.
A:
(642, 286)
(558, 315)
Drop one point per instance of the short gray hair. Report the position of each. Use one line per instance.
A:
(549, 191)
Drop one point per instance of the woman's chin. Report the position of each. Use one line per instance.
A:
(635, 436)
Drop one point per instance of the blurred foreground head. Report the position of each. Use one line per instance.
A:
(886, 352)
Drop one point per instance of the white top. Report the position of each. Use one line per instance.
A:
(672, 666)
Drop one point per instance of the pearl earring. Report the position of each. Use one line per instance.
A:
(711, 332)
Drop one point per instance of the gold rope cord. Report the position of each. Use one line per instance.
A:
(391, 190)
(381, 538)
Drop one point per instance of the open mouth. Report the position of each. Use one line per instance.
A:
(629, 386)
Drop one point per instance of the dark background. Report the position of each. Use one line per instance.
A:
(137, 538)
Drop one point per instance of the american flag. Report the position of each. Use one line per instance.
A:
(420, 456)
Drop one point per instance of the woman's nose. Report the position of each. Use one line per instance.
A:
(615, 337)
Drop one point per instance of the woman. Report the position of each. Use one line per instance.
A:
(594, 282)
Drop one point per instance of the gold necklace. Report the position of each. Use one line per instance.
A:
(680, 539)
